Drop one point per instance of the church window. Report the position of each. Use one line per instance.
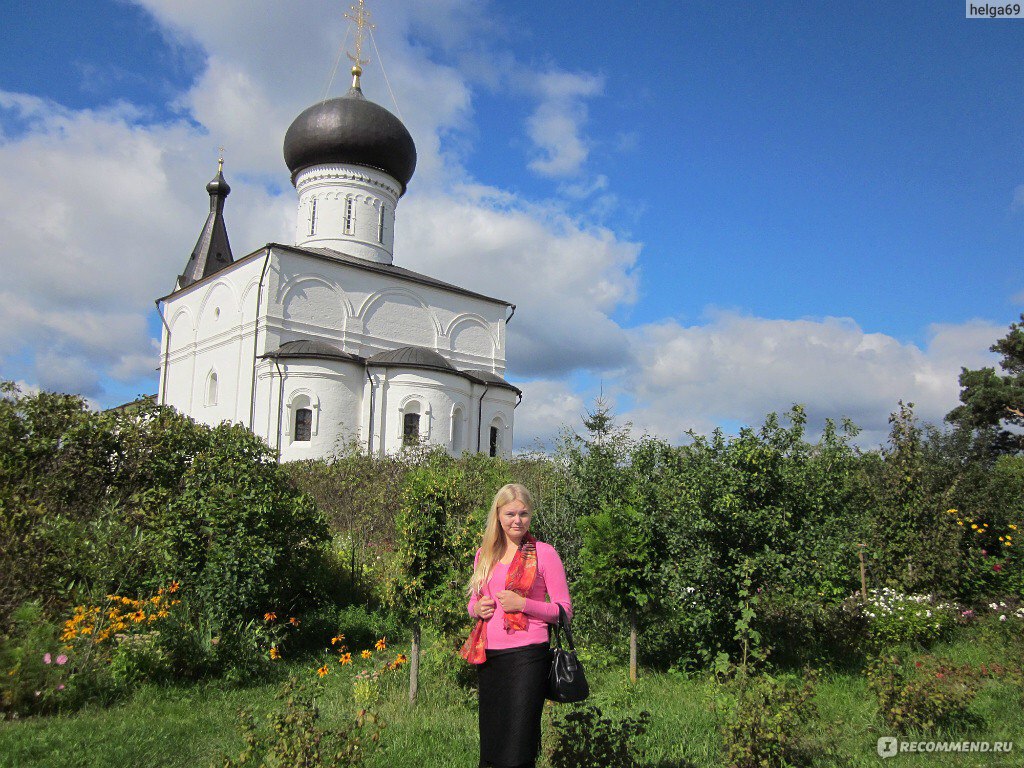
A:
(211, 389)
(348, 215)
(303, 425)
(411, 429)
(312, 217)
(495, 442)
(380, 225)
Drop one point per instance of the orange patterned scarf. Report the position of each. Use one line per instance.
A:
(521, 573)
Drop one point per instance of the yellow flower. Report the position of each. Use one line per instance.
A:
(400, 660)
(269, 616)
(367, 654)
(959, 522)
(1013, 527)
(274, 653)
(950, 511)
(174, 587)
(345, 658)
(974, 525)
(138, 616)
(323, 671)
(337, 639)
(381, 644)
(1001, 538)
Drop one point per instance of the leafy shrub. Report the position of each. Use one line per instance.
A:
(293, 736)
(765, 721)
(931, 695)
(34, 669)
(805, 631)
(896, 618)
(585, 738)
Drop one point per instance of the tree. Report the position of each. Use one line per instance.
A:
(422, 586)
(993, 402)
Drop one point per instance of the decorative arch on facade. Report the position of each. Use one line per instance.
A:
(182, 314)
(212, 291)
(468, 321)
(417, 325)
(297, 283)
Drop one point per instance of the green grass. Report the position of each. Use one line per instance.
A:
(192, 725)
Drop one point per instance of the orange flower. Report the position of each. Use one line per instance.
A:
(381, 644)
(138, 616)
(367, 654)
(337, 639)
(345, 658)
(174, 587)
(274, 653)
(294, 622)
(323, 671)
(269, 616)
(400, 660)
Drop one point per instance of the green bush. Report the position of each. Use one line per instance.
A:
(895, 618)
(293, 736)
(126, 502)
(586, 738)
(765, 724)
(33, 667)
(932, 694)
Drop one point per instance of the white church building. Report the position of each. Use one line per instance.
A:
(325, 342)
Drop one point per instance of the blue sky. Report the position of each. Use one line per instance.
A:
(737, 206)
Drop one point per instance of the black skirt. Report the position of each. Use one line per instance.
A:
(513, 684)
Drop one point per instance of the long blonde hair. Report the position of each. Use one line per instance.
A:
(494, 544)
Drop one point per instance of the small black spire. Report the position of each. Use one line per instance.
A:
(213, 251)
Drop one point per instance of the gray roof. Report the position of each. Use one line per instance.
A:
(213, 251)
(490, 379)
(387, 269)
(412, 357)
(312, 349)
(350, 129)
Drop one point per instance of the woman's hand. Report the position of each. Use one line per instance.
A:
(510, 601)
(484, 608)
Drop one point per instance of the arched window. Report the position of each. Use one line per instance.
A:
(458, 432)
(303, 425)
(495, 442)
(495, 435)
(211, 389)
(411, 429)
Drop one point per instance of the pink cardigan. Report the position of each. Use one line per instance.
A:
(550, 582)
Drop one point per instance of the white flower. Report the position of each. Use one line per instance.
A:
(1003, 617)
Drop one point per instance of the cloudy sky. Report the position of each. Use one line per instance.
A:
(708, 210)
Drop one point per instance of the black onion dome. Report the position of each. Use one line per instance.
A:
(351, 129)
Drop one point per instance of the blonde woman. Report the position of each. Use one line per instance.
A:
(510, 643)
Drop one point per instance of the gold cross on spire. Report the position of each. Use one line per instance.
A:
(220, 159)
(361, 16)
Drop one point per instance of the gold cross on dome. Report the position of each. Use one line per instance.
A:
(361, 16)
(220, 159)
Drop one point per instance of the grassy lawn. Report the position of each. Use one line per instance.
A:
(191, 726)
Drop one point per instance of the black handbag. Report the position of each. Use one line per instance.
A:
(566, 681)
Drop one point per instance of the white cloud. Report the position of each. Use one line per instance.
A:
(737, 368)
(556, 126)
(565, 277)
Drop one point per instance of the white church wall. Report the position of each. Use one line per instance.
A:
(211, 327)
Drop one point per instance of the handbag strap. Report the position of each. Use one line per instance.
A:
(563, 621)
